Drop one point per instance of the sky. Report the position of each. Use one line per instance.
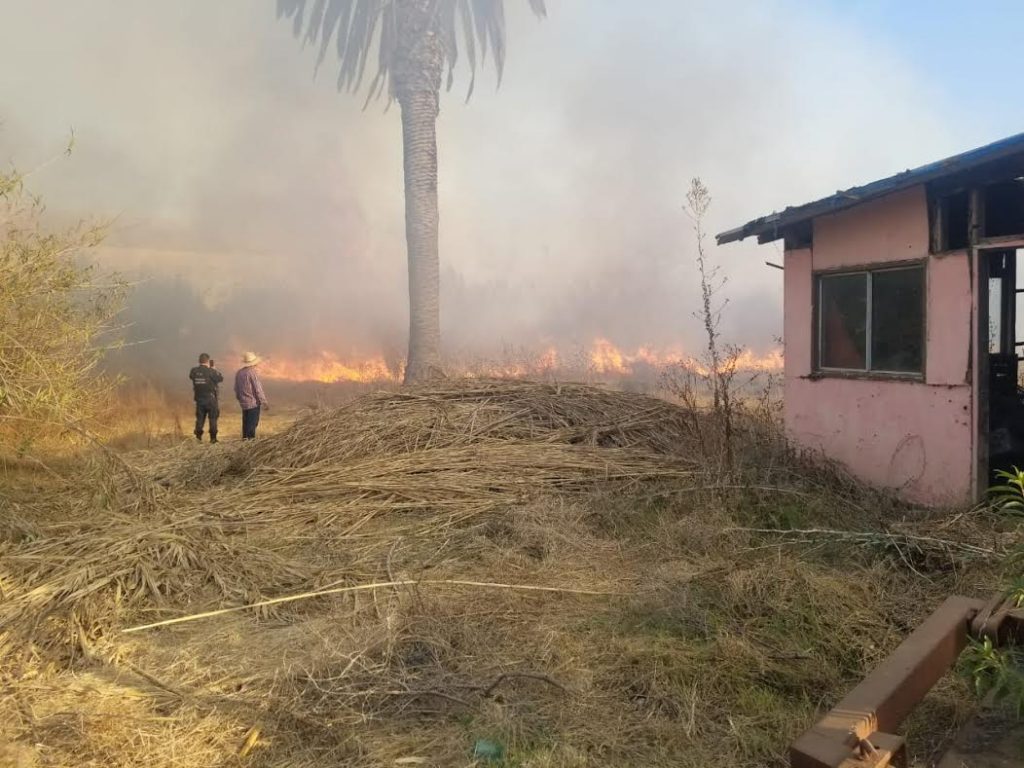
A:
(256, 207)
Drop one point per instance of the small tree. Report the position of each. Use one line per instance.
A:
(56, 319)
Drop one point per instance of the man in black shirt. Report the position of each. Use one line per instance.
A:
(205, 379)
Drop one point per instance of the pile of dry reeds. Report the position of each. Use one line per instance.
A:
(454, 450)
(471, 412)
(422, 457)
(520, 415)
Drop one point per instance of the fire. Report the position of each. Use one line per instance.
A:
(549, 359)
(607, 358)
(601, 358)
(748, 361)
(328, 368)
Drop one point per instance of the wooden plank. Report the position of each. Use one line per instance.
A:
(881, 702)
(1007, 242)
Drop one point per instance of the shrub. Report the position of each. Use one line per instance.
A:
(56, 321)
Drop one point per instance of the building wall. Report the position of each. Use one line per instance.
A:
(915, 437)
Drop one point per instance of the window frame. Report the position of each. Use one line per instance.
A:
(868, 271)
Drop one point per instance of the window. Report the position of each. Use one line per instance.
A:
(872, 321)
(1004, 209)
(951, 222)
(844, 327)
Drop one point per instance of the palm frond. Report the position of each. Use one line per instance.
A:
(336, 17)
(450, 39)
(466, 13)
(315, 20)
(388, 36)
(357, 48)
(359, 25)
(292, 9)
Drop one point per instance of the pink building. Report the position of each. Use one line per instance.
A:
(900, 325)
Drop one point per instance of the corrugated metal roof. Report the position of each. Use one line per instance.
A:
(772, 226)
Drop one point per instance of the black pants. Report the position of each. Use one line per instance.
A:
(250, 420)
(207, 409)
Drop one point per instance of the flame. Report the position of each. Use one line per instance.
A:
(601, 357)
(605, 357)
(748, 361)
(328, 368)
(549, 359)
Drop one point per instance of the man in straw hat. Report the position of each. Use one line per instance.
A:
(250, 395)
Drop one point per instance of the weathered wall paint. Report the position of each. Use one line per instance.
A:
(915, 437)
(948, 320)
(909, 437)
(890, 228)
(797, 332)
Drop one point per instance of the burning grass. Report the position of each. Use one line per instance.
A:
(711, 644)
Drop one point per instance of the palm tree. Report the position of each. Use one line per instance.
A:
(415, 40)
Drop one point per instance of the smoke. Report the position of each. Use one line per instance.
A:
(258, 208)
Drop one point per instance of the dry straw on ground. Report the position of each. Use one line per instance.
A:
(707, 646)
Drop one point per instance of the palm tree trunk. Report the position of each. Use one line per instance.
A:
(419, 64)
(419, 117)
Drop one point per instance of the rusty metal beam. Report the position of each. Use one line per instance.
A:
(858, 731)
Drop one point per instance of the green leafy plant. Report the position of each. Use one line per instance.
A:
(1008, 496)
(1016, 593)
(996, 671)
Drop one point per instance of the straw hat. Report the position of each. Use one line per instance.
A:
(251, 358)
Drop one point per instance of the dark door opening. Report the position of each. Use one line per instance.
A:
(1005, 397)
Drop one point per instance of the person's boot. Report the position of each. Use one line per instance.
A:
(213, 439)
(199, 436)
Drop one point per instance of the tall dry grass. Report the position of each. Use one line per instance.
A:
(57, 317)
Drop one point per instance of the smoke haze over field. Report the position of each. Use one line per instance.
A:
(261, 209)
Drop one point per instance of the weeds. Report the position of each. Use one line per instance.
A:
(708, 386)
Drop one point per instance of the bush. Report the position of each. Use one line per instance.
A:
(56, 322)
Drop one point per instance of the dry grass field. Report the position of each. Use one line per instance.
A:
(472, 573)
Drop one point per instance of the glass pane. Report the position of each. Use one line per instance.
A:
(897, 320)
(995, 315)
(843, 321)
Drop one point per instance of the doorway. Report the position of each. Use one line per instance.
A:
(1001, 402)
